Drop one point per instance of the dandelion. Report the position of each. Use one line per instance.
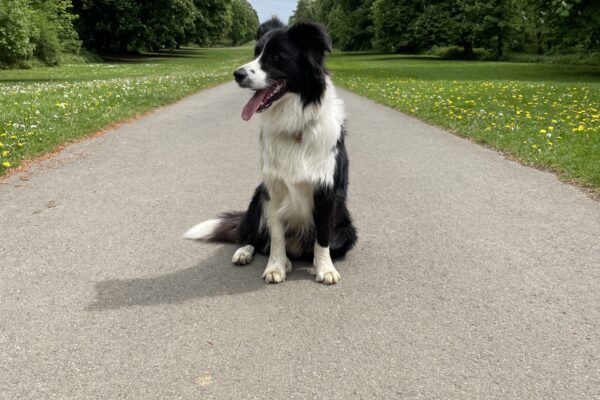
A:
(6, 164)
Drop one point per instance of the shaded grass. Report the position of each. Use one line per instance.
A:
(544, 115)
(42, 108)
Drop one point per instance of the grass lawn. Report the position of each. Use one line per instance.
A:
(544, 115)
(44, 107)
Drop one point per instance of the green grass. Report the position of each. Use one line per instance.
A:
(42, 108)
(544, 115)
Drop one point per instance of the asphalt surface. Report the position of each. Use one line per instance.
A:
(474, 276)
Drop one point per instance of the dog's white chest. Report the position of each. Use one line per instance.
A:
(298, 144)
(298, 160)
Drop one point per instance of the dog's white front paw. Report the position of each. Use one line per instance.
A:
(276, 271)
(324, 270)
(328, 276)
(243, 255)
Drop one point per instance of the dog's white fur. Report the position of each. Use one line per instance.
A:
(202, 230)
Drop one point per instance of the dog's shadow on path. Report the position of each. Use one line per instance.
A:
(213, 276)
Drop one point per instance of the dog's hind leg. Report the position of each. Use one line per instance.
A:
(343, 235)
(251, 237)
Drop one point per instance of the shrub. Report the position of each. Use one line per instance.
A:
(57, 36)
(458, 53)
(16, 31)
(47, 45)
(36, 28)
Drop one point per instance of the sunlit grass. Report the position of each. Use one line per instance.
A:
(546, 115)
(45, 107)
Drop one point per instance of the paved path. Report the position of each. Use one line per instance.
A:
(474, 277)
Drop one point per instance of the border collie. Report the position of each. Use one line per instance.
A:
(299, 211)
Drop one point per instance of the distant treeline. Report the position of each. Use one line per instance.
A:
(496, 26)
(47, 31)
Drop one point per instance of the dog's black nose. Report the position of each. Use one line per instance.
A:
(240, 74)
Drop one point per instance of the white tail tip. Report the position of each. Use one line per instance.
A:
(203, 230)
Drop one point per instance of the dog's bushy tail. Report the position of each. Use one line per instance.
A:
(224, 229)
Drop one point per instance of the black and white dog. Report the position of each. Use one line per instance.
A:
(299, 210)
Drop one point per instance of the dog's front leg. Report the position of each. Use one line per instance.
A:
(278, 263)
(324, 201)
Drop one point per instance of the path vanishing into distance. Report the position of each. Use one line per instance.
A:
(474, 277)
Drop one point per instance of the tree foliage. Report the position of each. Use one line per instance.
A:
(213, 21)
(36, 28)
(542, 26)
(47, 30)
(118, 26)
(244, 22)
(16, 31)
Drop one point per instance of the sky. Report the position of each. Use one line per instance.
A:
(282, 8)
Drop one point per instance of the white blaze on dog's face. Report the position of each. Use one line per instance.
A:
(253, 76)
(286, 60)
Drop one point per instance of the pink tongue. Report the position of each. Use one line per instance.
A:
(253, 104)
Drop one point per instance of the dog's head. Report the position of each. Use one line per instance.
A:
(287, 60)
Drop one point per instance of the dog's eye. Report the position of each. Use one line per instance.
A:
(275, 57)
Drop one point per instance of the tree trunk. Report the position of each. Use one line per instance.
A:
(468, 45)
(123, 43)
(500, 45)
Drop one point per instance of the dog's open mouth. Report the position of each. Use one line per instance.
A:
(263, 99)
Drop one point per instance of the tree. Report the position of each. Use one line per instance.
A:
(166, 22)
(16, 31)
(213, 21)
(57, 35)
(349, 22)
(413, 25)
(244, 22)
(305, 11)
(36, 28)
(394, 24)
(109, 25)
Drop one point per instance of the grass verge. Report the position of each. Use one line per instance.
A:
(42, 108)
(544, 115)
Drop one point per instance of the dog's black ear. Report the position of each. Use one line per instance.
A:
(312, 36)
(269, 25)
